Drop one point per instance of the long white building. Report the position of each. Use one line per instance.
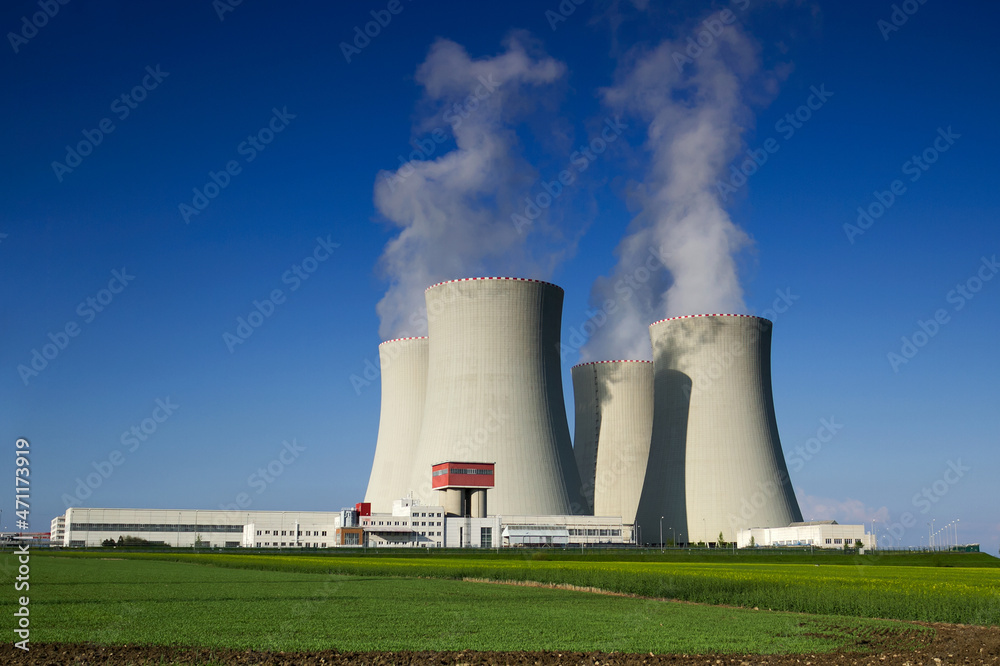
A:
(410, 524)
(815, 533)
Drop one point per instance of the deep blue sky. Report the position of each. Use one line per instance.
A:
(162, 336)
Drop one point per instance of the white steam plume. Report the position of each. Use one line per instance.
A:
(455, 209)
(695, 117)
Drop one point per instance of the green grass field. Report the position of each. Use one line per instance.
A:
(966, 594)
(146, 601)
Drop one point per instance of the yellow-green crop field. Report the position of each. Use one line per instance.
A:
(967, 595)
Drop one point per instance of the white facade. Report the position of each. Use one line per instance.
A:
(715, 461)
(411, 524)
(403, 365)
(181, 528)
(579, 530)
(473, 532)
(494, 393)
(614, 423)
(818, 534)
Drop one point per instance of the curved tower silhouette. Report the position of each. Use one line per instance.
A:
(494, 393)
(715, 462)
(403, 364)
(614, 422)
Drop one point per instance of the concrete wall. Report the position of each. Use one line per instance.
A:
(404, 385)
(614, 422)
(494, 393)
(715, 462)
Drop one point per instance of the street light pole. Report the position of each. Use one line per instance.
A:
(661, 534)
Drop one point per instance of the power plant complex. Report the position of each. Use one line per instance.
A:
(474, 448)
(688, 440)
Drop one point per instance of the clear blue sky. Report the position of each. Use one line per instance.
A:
(206, 84)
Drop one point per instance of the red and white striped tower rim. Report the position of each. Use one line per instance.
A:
(512, 279)
(620, 360)
(418, 337)
(710, 315)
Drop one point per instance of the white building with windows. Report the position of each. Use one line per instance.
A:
(815, 533)
(410, 524)
(184, 527)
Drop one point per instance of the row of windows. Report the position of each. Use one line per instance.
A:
(594, 532)
(153, 527)
(396, 523)
(442, 472)
(292, 533)
(283, 543)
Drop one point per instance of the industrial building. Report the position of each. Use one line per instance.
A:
(814, 533)
(715, 460)
(494, 393)
(614, 422)
(403, 367)
(473, 445)
(410, 524)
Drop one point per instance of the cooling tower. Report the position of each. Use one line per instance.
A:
(404, 384)
(494, 393)
(614, 420)
(715, 461)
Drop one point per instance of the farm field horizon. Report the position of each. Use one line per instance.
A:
(391, 603)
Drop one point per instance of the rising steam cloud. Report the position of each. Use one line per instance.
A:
(454, 208)
(679, 255)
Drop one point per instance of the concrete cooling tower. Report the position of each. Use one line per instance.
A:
(715, 462)
(494, 393)
(614, 422)
(403, 365)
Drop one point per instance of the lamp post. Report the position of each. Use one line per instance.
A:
(673, 539)
(957, 521)
(661, 534)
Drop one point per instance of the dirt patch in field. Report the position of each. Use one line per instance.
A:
(950, 644)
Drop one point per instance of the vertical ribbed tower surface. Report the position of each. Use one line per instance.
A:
(614, 422)
(403, 365)
(494, 393)
(715, 462)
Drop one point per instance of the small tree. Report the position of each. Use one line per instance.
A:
(752, 541)
(108, 543)
(858, 544)
(722, 540)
